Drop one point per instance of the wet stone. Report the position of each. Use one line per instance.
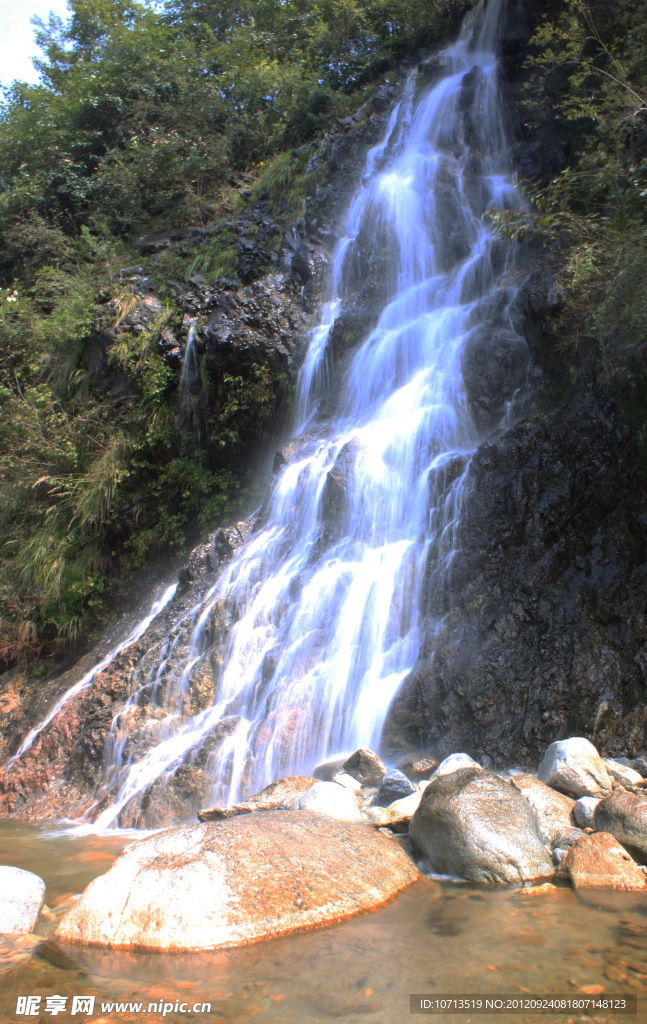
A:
(640, 764)
(624, 815)
(394, 786)
(584, 811)
(474, 824)
(331, 799)
(283, 794)
(598, 861)
(454, 763)
(574, 766)
(326, 770)
(366, 767)
(554, 810)
(622, 773)
(397, 815)
(418, 766)
(238, 881)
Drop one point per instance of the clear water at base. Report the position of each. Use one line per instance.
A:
(441, 939)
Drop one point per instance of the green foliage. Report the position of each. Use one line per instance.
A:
(589, 70)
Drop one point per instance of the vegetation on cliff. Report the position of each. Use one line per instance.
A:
(148, 116)
(586, 87)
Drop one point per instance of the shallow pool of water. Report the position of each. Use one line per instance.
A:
(449, 939)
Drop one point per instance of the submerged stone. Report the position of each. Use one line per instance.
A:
(237, 882)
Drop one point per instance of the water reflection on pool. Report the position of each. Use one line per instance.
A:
(431, 939)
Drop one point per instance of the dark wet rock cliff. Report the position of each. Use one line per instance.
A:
(544, 615)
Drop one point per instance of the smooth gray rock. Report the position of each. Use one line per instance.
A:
(474, 824)
(624, 816)
(584, 811)
(326, 770)
(332, 799)
(640, 764)
(622, 773)
(22, 895)
(574, 766)
(394, 786)
(453, 763)
(554, 811)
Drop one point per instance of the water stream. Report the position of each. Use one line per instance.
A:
(313, 625)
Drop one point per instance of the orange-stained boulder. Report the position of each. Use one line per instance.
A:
(247, 878)
(598, 861)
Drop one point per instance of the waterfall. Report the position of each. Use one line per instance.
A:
(188, 417)
(308, 632)
(85, 682)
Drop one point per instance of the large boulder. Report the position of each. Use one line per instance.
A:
(575, 767)
(332, 799)
(238, 881)
(474, 824)
(554, 811)
(624, 815)
(22, 895)
(599, 862)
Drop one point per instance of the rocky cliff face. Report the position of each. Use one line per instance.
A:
(543, 618)
(544, 615)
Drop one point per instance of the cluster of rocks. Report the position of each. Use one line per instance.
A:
(581, 817)
(311, 850)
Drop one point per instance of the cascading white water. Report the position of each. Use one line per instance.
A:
(325, 603)
(138, 630)
(187, 418)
